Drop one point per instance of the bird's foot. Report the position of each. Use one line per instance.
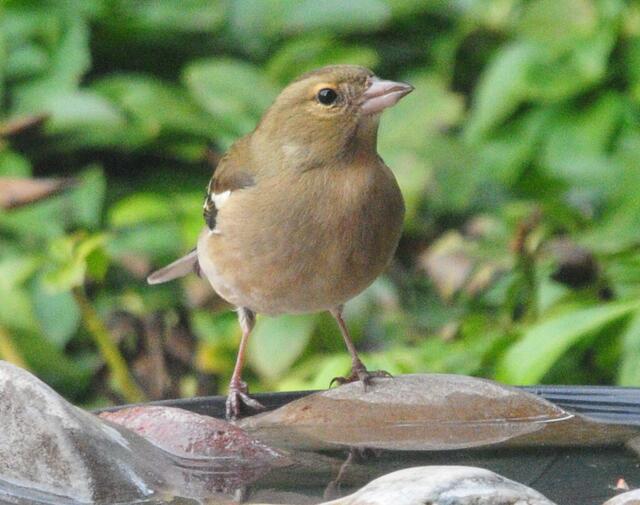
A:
(360, 373)
(238, 398)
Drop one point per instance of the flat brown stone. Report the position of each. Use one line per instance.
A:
(424, 412)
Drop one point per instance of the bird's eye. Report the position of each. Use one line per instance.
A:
(327, 96)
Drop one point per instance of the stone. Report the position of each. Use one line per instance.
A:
(188, 434)
(233, 458)
(53, 452)
(50, 447)
(443, 485)
(409, 412)
(628, 498)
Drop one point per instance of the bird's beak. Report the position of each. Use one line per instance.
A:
(382, 94)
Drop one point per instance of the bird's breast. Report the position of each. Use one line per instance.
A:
(307, 244)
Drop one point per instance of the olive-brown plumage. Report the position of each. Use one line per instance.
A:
(302, 214)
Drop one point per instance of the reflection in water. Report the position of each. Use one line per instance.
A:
(317, 448)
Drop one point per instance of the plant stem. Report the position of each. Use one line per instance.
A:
(526, 263)
(122, 380)
(9, 351)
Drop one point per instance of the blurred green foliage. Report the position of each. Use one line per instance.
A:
(518, 155)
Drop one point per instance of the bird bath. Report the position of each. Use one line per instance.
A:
(575, 459)
(317, 447)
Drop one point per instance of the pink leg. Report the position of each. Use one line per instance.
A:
(358, 370)
(238, 390)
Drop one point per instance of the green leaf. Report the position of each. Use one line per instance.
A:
(13, 164)
(57, 313)
(501, 89)
(523, 71)
(316, 372)
(65, 374)
(157, 240)
(558, 24)
(252, 23)
(276, 343)
(578, 141)
(337, 16)
(307, 53)
(140, 208)
(552, 78)
(162, 16)
(410, 131)
(218, 330)
(629, 371)
(69, 265)
(234, 92)
(88, 198)
(632, 66)
(65, 276)
(191, 222)
(504, 156)
(26, 61)
(15, 270)
(3, 67)
(16, 309)
(97, 264)
(73, 112)
(542, 345)
(402, 8)
(154, 106)
(69, 59)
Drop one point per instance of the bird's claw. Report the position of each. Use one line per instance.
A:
(237, 398)
(360, 373)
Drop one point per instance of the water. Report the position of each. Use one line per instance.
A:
(584, 476)
(327, 446)
(571, 460)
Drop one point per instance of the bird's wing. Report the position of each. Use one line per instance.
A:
(179, 268)
(233, 172)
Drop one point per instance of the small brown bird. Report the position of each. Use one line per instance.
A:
(301, 214)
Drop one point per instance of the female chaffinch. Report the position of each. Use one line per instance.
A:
(301, 214)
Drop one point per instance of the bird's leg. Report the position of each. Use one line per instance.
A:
(237, 388)
(356, 456)
(358, 370)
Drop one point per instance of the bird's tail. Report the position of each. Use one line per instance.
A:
(179, 268)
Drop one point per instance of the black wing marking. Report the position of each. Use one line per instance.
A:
(219, 184)
(209, 209)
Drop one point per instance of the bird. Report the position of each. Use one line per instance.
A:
(302, 214)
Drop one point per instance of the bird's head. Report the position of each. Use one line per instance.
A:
(329, 113)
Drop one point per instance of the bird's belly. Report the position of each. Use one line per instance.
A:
(274, 277)
(309, 253)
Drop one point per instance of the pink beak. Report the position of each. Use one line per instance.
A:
(382, 94)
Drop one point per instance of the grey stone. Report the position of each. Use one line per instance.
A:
(53, 452)
(49, 447)
(443, 485)
(629, 498)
